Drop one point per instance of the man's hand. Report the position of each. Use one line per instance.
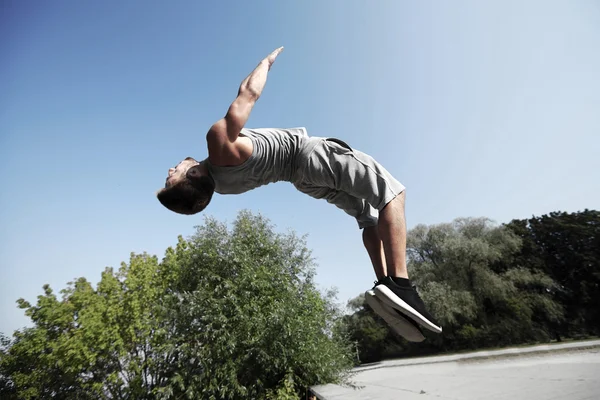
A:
(270, 59)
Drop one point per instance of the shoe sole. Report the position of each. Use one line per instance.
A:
(394, 319)
(389, 298)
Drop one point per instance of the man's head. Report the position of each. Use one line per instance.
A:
(188, 189)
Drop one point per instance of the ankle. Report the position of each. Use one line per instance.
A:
(400, 281)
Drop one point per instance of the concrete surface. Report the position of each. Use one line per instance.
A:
(562, 371)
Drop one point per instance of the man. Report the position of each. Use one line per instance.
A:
(241, 159)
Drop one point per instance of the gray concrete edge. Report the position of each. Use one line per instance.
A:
(543, 348)
(512, 351)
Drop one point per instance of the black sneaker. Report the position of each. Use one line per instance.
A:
(407, 301)
(403, 326)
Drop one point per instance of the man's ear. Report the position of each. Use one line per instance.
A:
(194, 173)
(198, 180)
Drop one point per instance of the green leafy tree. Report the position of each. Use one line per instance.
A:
(249, 316)
(456, 267)
(471, 276)
(566, 247)
(92, 343)
(7, 387)
(225, 315)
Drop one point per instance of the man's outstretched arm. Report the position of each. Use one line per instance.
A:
(229, 127)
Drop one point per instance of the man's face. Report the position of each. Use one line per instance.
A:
(177, 173)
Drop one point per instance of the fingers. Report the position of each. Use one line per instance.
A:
(270, 59)
(274, 54)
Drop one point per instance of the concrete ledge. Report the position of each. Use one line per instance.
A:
(512, 351)
(408, 382)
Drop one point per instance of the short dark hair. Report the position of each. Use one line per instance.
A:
(189, 196)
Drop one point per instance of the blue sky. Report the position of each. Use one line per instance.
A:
(479, 108)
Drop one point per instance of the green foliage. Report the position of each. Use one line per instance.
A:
(225, 315)
(566, 247)
(254, 320)
(100, 343)
(234, 313)
(7, 388)
(448, 304)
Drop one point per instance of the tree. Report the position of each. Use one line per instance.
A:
(227, 314)
(102, 343)
(467, 273)
(472, 278)
(249, 317)
(7, 387)
(566, 247)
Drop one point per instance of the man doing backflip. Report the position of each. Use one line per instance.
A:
(241, 159)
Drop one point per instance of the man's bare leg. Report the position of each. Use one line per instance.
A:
(397, 291)
(396, 320)
(374, 247)
(392, 231)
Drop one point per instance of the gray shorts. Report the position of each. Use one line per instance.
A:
(351, 180)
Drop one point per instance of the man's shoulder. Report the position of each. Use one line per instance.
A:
(231, 153)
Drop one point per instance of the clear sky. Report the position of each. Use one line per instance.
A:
(480, 108)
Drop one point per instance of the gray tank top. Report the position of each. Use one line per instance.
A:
(277, 156)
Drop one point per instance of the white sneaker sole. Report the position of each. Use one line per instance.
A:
(388, 297)
(394, 319)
